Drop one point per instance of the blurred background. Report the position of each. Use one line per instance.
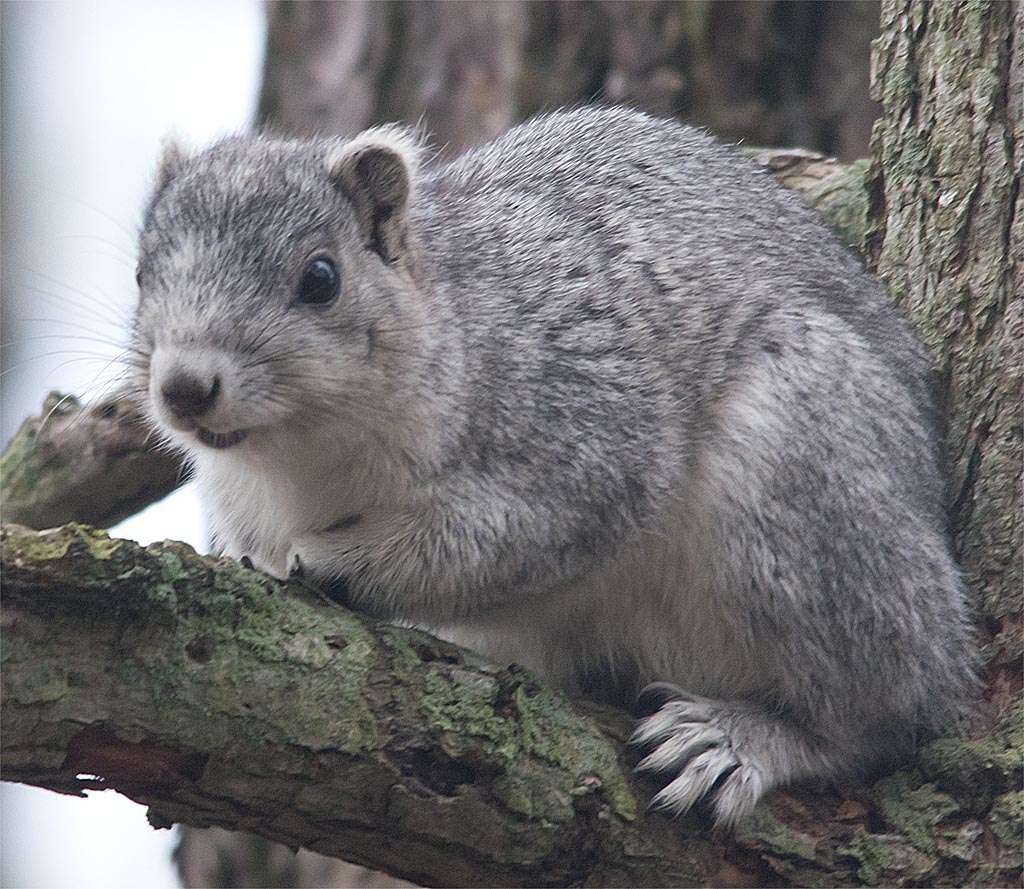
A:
(88, 90)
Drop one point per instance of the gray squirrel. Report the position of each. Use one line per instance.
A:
(599, 398)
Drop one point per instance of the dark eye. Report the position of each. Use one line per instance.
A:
(320, 283)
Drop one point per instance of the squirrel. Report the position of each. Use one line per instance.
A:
(600, 398)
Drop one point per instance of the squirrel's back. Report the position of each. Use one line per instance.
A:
(608, 245)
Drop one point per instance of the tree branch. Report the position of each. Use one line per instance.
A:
(218, 696)
(83, 463)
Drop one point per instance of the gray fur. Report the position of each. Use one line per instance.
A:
(611, 403)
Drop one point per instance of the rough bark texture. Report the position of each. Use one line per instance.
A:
(835, 190)
(771, 73)
(947, 237)
(84, 463)
(217, 696)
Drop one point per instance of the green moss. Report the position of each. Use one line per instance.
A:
(770, 832)
(913, 809)
(913, 159)
(171, 566)
(546, 728)
(978, 10)
(100, 544)
(559, 735)
(19, 462)
(842, 201)
(228, 624)
(539, 793)
(960, 842)
(38, 684)
(897, 84)
(470, 711)
(977, 770)
(872, 855)
(26, 464)
(211, 645)
(312, 685)
(1007, 822)
(229, 659)
(35, 547)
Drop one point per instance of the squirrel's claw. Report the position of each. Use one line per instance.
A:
(654, 696)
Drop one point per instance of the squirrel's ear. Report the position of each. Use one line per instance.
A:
(376, 170)
(173, 156)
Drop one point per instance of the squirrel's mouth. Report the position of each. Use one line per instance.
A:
(220, 440)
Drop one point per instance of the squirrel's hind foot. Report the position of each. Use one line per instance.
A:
(728, 753)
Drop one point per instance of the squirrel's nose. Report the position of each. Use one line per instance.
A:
(187, 396)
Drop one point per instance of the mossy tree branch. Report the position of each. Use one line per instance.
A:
(86, 463)
(218, 696)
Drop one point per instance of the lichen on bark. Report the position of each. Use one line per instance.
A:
(946, 234)
(94, 463)
(218, 696)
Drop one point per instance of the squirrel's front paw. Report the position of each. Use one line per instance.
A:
(312, 556)
(312, 561)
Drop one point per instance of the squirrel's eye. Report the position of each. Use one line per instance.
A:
(320, 282)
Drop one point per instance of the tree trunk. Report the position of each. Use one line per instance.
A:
(339, 67)
(946, 234)
(770, 73)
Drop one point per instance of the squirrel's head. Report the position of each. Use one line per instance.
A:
(277, 288)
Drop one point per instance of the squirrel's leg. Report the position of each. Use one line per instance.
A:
(427, 565)
(734, 751)
(464, 550)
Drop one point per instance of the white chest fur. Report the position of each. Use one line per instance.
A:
(261, 499)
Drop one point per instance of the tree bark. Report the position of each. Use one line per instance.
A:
(218, 696)
(946, 234)
(91, 464)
